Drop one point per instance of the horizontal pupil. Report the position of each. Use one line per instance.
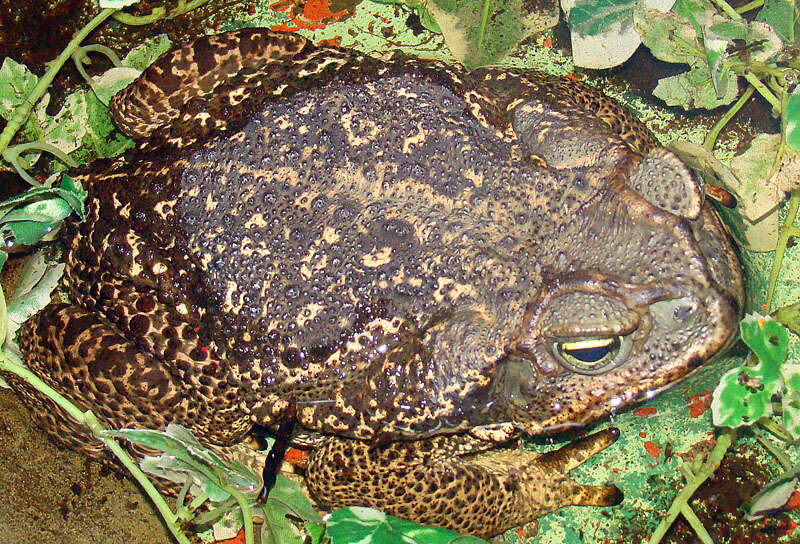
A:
(589, 354)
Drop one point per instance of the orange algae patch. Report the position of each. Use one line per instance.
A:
(645, 411)
(295, 457)
(653, 449)
(698, 404)
(316, 15)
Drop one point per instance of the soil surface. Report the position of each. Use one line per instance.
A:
(53, 495)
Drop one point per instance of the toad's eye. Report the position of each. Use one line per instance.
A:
(590, 355)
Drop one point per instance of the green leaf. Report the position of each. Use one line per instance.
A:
(33, 292)
(744, 394)
(771, 498)
(143, 55)
(185, 456)
(482, 32)
(16, 83)
(792, 114)
(669, 37)
(733, 30)
(291, 496)
(28, 233)
(695, 89)
(367, 526)
(277, 528)
(112, 81)
(51, 210)
(789, 317)
(693, 10)
(316, 531)
(592, 17)
(790, 399)
(781, 16)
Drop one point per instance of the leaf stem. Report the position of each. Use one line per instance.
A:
(749, 6)
(728, 10)
(696, 525)
(761, 436)
(9, 363)
(762, 89)
(158, 13)
(694, 522)
(724, 441)
(23, 110)
(485, 7)
(247, 514)
(711, 138)
(787, 231)
(776, 430)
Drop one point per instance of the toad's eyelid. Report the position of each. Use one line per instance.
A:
(575, 331)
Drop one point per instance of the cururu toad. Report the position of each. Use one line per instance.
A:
(413, 262)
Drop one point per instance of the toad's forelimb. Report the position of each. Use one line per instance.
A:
(475, 492)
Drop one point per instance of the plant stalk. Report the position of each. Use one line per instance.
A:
(755, 4)
(711, 138)
(728, 10)
(724, 441)
(783, 238)
(23, 110)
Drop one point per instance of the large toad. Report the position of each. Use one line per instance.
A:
(413, 263)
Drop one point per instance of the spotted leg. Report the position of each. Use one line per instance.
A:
(448, 482)
(90, 361)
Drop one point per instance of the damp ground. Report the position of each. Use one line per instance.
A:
(52, 495)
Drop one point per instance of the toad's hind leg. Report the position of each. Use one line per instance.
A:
(482, 493)
(88, 360)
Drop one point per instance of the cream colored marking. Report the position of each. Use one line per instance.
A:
(322, 264)
(514, 104)
(237, 96)
(347, 124)
(125, 211)
(282, 122)
(230, 288)
(279, 406)
(309, 196)
(475, 177)
(397, 279)
(256, 220)
(211, 204)
(330, 236)
(454, 293)
(182, 309)
(374, 260)
(159, 268)
(246, 247)
(305, 110)
(406, 93)
(134, 243)
(418, 138)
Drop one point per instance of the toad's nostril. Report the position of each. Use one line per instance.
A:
(682, 313)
